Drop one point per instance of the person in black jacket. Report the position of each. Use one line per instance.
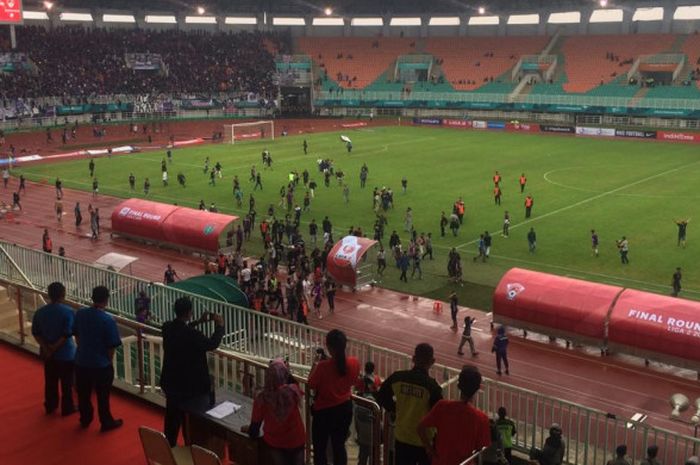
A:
(185, 374)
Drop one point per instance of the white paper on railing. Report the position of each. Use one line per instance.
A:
(224, 409)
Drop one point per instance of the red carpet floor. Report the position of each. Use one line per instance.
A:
(31, 438)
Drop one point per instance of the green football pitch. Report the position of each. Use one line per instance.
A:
(617, 187)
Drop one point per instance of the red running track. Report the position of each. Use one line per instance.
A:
(622, 386)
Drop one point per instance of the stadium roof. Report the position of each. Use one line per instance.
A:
(341, 7)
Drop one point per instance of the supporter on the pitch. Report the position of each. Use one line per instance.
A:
(500, 348)
(170, 275)
(46, 242)
(409, 395)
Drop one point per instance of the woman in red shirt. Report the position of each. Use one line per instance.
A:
(277, 407)
(332, 379)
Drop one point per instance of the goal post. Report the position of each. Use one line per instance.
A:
(240, 132)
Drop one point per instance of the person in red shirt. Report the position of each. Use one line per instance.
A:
(277, 407)
(46, 243)
(497, 195)
(368, 383)
(497, 179)
(461, 428)
(332, 379)
(523, 181)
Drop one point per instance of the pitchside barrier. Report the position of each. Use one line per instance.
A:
(591, 434)
(615, 319)
(121, 117)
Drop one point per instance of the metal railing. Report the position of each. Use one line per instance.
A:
(139, 360)
(592, 434)
(27, 123)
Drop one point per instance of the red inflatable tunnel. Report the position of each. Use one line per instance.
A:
(165, 224)
(656, 327)
(344, 258)
(554, 305)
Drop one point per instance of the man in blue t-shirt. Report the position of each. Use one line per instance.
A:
(52, 327)
(97, 336)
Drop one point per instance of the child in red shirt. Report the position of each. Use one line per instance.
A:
(461, 428)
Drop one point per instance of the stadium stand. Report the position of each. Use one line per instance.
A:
(74, 61)
(676, 92)
(471, 62)
(691, 47)
(593, 60)
(354, 62)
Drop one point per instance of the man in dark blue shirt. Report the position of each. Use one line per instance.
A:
(185, 374)
(52, 327)
(500, 348)
(97, 336)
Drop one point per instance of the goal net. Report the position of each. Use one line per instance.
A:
(240, 132)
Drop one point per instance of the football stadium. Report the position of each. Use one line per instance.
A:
(350, 232)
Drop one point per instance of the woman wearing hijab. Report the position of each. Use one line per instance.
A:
(277, 407)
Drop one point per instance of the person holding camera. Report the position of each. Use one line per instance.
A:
(185, 373)
(332, 379)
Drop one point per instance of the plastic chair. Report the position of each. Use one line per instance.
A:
(202, 456)
(158, 451)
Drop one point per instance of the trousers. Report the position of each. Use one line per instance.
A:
(58, 372)
(100, 381)
(331, 423)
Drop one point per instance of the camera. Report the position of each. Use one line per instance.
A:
(321, 354)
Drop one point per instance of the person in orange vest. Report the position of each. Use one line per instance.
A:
(497, 179)
(528, 205)
(46, 243)
(523, 181)
(497, 195)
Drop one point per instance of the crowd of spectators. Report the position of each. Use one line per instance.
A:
(80, 62)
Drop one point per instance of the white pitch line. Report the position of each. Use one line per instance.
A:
(591, 199)
(589, 191)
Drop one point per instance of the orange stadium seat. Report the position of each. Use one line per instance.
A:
(367, 62)
(691, 47)
(464, 62)
(585, 59)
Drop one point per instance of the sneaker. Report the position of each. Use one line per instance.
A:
(110, 426)
(507, 372)
(460, 353)
(498, 373)
(474, 354)
(68, 412)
